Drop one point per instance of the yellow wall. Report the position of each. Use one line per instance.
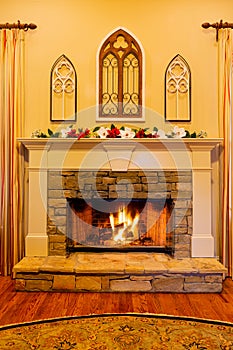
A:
(77, 27)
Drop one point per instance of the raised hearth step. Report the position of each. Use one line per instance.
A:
(119, 272)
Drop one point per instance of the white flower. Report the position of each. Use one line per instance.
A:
(102, 132)
(202, 134)
(65, 131)
(178, 132)
(36, 133)
(161, 134)
(127, 133)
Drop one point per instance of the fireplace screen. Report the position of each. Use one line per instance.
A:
(119, 224)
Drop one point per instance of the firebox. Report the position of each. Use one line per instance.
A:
(117, 210)
(108, 224)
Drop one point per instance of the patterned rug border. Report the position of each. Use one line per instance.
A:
(149, 315)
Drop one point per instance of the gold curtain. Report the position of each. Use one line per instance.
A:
(11, 158)
(225, 126)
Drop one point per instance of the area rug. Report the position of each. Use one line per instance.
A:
(119, 331)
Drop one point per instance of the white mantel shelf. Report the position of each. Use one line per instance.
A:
(31, 143)
(168, 153)
(194, 154)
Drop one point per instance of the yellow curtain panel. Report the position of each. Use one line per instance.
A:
(11, 160)
(225, 53)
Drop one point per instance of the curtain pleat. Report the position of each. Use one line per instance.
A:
(11, 154)
(225, 126)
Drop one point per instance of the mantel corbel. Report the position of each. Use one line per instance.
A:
(119, 155)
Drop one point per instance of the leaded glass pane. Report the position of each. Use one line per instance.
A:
(110, 85)
(131, 85)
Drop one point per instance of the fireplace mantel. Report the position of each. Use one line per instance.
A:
(57, 153)
(120, 154)
(155, 143)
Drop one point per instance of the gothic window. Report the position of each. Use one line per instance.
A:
(178, 90)
(63, 91)
(120, 78)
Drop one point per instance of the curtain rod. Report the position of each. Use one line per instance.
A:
(217, 26)
(18, 25)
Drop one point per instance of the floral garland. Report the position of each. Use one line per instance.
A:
(115, 132)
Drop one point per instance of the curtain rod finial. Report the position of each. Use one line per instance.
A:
(205, 25)
(32, 26)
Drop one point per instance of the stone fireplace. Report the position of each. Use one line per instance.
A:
(120, 215)
(158, 221)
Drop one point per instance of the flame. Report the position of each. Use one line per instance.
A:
(122, 223)
(111, 218)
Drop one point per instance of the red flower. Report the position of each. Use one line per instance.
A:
(153, 136)
(83, 134)
(72, 133)
(140, 134)
(114, 132)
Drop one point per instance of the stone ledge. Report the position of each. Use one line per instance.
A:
(119, 272)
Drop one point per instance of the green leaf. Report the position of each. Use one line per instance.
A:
(112, 126)
(122, 127)
(193, 135)
(96, 128)
(155, 129)
(50, 132)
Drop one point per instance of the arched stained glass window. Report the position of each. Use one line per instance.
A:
(120, 78)
(63, 94)
(178, 90)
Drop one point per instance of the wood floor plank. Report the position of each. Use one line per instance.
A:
(27, 306)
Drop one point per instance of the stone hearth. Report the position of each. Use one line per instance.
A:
(119, 272)
(196, 270)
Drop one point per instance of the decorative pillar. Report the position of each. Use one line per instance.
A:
(203, 244)
(36, 243)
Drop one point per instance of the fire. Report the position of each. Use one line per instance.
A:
(124, 225)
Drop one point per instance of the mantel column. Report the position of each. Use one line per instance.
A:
(202, 238)
(36, 243)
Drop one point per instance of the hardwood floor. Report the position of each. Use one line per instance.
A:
(27, 306)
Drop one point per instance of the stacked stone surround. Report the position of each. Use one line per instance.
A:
(63, 185)
(119, 272)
